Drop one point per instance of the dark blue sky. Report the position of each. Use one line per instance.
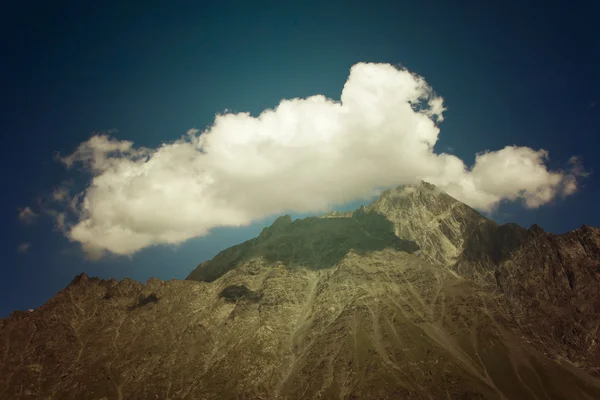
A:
(524, 74)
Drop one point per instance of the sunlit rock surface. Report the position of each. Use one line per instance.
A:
(414, 297)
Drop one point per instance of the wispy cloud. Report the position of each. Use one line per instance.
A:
(303, 156)
(23, 247)
(26, 215)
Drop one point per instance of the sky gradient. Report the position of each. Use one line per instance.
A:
(509, 75)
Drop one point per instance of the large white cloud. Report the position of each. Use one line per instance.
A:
(303, 156)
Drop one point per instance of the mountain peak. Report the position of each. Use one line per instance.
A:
(282, 221)
(81, 278)
(437, 222)
(277, 225)
(536, 229)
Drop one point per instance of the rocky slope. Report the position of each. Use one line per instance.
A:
(554, 281)
(451, 234)
(416, 296)
(438, 223)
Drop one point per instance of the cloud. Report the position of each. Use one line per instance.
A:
(60, 193)
(26, 215)
(23, 247)
(576, 170)
(303, 156)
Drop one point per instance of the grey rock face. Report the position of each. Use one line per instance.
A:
(438, 223)
(416, 296)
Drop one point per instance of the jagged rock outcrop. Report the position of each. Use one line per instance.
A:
(416, 296)
(438, 223)
(553, 286)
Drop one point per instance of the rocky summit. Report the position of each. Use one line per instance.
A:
(416, 296)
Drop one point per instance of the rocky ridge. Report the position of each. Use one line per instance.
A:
(415, 296)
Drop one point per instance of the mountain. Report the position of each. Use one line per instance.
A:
(452, 234)
(415, 296)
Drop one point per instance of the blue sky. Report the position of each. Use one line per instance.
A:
(517, 74)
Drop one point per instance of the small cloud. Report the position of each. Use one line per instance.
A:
(576, 167)
(402, 192)
(23, 247)
(27, 215)
(574, 175)
(60, 194)
(60, 221)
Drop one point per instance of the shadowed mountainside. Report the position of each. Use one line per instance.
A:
(554, 283)
(312, 242)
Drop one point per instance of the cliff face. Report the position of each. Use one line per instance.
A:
(416, 296)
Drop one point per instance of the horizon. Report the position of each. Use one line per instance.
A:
(256, 229)
(214, 119)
